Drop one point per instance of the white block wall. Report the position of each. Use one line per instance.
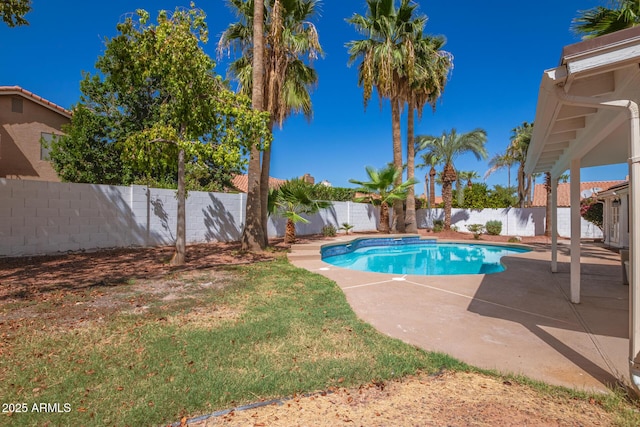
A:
(515, 221)
(39, 217)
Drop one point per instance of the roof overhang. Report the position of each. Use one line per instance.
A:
(598, 70)
(18, 91)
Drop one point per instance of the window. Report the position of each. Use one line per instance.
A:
(16, 105)
(45, 145)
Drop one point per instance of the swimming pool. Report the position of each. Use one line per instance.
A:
(413, 255)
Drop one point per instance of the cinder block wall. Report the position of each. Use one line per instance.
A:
(39, 217)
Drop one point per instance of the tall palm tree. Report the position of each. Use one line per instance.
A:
(431, 160)
(500, 161)
(387, 55)
(382, 190)
(254, 234)
(602, 20)
(432, 68)
(291, 200)
(518, 147)
(292, 44)
(463, 182)
(448, 147)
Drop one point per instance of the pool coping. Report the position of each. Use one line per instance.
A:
(518, 321)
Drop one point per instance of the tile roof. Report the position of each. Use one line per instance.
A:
(241, 183)
(540, 192)
(17, 90)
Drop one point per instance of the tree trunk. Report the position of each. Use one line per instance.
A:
(179, 256)
(253, 234)
(449, 176)
(398, 206)
(384, 218)
(521, 186)
(264, 188)
(410, 220)
(432, 187)
(290, 232)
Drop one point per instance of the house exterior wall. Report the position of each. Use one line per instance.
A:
(20, 139)
(622, 240)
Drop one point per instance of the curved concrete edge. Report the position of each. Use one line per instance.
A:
(519, 321)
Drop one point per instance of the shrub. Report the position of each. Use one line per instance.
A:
(494, 227)
(438, 225)
(346, 227)
(329, 230)
(476, 229)
(514, 239)
(591, 210)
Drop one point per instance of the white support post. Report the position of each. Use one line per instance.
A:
(576, 232)
(554, 225)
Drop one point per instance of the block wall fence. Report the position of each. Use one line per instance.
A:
(38, 217)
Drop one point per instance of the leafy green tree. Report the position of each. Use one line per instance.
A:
(12, 12)
(163, 105)
(447, 148)
(382, 190)
(291, 44)
(86, 153)
(602, 20)
(338, 194)
(501, 197)
(387, 55)
(293, 199)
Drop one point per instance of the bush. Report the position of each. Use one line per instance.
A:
(591, 210)
(329, 231)
(515, 239)
(494, 227)
(476, 229)
(438, 225)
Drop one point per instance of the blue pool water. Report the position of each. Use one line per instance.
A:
(412, 255)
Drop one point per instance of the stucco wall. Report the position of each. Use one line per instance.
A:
(20, 139)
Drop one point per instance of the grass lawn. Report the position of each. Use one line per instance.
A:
(191, 344)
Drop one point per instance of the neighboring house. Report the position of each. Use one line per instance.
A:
(25, 118)
(587, 189)
(241, 183)
(615, 222)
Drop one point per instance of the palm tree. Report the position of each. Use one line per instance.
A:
(461, 185)
(291, 200)
(382, 190)
(431, 160)
(447, 147)
(432, 67)
(254, 234)
(520, 140)
(388, 57)
(500, 161)
(291, 38)
(601, 20)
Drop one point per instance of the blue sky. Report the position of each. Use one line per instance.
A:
(500, 50)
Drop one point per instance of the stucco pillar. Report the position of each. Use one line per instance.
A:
(575, 230)
(554, 225)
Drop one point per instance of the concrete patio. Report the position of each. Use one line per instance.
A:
(519, 321)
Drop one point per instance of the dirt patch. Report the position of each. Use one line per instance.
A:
(452, 399)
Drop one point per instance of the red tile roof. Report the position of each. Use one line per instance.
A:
(241, 183)
(540, 192)
(17, 90)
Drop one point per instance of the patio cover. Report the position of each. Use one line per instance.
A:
(587, 115)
